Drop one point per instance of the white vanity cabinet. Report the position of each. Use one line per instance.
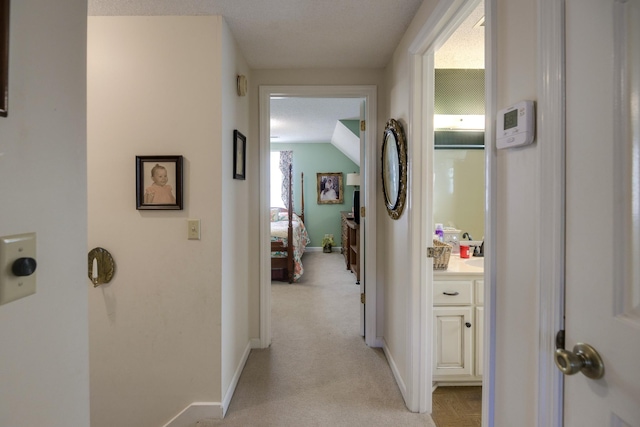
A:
(458, 326)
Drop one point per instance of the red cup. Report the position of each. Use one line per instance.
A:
(464, 251)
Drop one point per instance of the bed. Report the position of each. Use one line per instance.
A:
(289, 238)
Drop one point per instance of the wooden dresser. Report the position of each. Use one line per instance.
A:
(351, 243)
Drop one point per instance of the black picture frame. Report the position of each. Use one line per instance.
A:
(150, 186)
(4, 58)
(239, 155)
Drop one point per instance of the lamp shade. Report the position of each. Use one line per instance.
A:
(353, 179)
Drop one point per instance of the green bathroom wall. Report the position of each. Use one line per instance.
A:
(312, 159)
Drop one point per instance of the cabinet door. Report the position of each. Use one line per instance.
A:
(479, 342)
(452, 341)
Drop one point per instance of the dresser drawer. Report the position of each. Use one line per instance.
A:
(453, 292)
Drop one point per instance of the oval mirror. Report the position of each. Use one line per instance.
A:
(394, 168)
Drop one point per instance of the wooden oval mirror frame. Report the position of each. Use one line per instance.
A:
(394, 168)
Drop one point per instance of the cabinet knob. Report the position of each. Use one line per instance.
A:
(467, 324)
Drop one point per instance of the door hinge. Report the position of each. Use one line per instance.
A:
(363, 125)
(363, 212)
(363, 298)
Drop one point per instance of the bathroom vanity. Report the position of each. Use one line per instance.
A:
(458, 304)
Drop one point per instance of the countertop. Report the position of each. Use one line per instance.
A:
(472, 266)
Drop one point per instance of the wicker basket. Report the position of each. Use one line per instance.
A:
(442, 251)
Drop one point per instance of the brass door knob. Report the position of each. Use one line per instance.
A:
(583, 358)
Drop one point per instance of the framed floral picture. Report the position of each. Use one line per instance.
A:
(239, 155)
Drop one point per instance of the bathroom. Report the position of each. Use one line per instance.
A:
(458, 205)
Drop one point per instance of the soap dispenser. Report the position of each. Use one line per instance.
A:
(440, 232)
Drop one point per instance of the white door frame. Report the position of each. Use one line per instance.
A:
(551, 207)
(368, 92)
(443, 21)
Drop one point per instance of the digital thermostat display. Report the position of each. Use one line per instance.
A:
(511, 119)
(515, 125)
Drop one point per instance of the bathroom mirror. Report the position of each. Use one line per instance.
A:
(394, 168)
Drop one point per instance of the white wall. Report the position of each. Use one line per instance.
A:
(155, 87)
(517, 243)
(44, 374)
(236, 239)
(394, 235)
(517, 231)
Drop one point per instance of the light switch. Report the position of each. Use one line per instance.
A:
(17, 266)
(194, 229)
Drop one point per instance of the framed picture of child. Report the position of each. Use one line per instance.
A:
(159, 182)
(330, 188)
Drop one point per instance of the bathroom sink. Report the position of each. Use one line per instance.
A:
(475, 262)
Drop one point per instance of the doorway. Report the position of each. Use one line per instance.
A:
(446, 18)
(368, 196)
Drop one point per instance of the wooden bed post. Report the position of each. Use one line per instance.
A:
(302, 195)
(290, 248)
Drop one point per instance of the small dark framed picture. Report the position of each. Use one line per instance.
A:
(159, 182)
(4, 57)
(239, 155)
(330, 188)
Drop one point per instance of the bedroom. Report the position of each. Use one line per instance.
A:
(320, 138)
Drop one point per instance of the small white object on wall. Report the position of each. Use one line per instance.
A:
(241, 83)
(515, 125)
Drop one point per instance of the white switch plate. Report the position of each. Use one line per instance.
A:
(14, 287)
(193, 232)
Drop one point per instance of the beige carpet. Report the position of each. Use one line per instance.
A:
(318, 371)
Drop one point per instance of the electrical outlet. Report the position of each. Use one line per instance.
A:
(17, 266)
(193, 232)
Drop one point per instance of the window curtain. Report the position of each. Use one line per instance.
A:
(286, 159)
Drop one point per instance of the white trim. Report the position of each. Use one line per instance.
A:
(195, 412)
(394, 370)
(551, 208)
(369, 187)
(491, 208)
(226, 401)
(445, 19)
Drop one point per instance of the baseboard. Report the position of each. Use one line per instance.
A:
(320, 249)
(198, 412)
(236, 377)
(195, 412)
(394, 369)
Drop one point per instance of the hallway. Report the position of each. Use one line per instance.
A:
(318, 371)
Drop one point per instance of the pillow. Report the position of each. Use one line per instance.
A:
(284, 216)
(273, 213)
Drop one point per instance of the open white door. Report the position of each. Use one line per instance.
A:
(603, 208)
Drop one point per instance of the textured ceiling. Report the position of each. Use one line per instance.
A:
(294, 33)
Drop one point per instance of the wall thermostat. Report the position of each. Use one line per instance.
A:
(515, 125)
